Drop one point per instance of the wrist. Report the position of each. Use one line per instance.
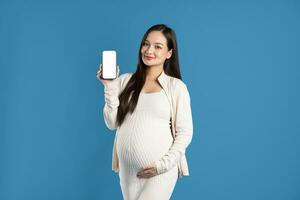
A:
(158, 167)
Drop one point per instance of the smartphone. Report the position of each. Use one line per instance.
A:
(109, 64)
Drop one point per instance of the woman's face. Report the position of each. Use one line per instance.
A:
(155, 50)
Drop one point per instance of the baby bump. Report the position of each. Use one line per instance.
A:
(138, 146)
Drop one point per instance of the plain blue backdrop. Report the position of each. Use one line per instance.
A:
(239, 59)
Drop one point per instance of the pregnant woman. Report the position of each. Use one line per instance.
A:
(151, 113)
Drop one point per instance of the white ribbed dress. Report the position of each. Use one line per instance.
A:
(144, 137)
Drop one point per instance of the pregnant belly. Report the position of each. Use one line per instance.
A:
(138, 146)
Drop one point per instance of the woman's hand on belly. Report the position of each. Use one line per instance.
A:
(148, 171)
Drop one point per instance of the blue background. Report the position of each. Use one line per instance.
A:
(239, 59)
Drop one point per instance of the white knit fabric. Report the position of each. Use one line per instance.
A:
(143, 138)
(181, 120)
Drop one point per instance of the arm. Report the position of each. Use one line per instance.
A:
(111, 97)
(183, 131)
(112, 90)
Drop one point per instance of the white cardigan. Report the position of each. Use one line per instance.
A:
(181, 120)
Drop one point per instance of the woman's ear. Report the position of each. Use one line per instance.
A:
(170, 53)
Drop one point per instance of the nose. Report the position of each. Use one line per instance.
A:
(149, 50)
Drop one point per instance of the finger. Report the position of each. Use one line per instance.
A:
(99, 75)
(145, 171)
(143, 175)
(118, 70)
(146, 175)
(139, 173)
(151, 169)
(148, 169)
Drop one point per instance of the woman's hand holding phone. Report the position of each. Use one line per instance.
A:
(105, 81)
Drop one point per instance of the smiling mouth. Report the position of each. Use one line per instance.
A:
(149, 58)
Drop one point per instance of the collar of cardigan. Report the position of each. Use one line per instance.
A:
(162, 77)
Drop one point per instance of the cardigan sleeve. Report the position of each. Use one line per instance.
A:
(183, 130)
(111, 97)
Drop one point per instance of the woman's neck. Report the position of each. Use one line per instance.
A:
(153, 73)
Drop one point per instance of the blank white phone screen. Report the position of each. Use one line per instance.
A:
(109, 67)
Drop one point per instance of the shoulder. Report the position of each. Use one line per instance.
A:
(124, 78)
(178, 85)
(179, 89)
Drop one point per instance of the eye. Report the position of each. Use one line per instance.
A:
(145, 44)
(158, 47)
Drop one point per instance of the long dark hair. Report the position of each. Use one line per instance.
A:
(137, 80)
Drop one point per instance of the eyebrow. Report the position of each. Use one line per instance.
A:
(155, 42)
